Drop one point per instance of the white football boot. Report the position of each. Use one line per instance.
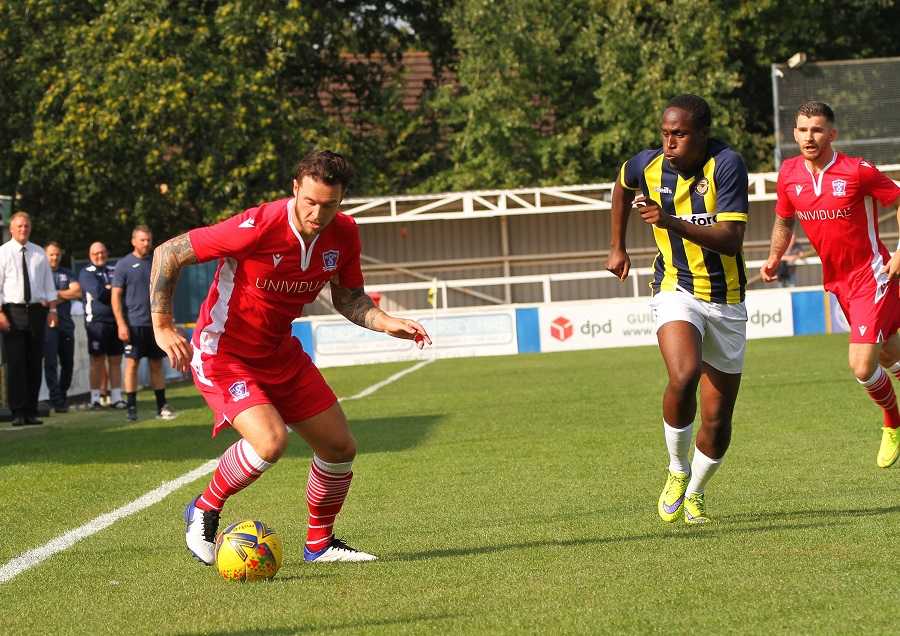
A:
(337, 552)
(202, 526)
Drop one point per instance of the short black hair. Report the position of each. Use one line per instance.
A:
(816, 109)
(325, 167)
(695, 105)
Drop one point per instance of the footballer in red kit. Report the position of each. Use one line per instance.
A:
(273, 260)
(266, 275)
(834, 197)
(836, 210)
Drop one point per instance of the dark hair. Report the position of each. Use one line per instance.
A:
(816, 109)
(325, 167)
(695, 105)
(53, 244)
(141, 228)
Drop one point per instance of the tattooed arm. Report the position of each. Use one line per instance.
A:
(168, 259)
(781, 238)
(356, 306)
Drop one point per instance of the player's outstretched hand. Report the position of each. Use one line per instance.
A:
(176, 347)
(406, 329)
(767, 271)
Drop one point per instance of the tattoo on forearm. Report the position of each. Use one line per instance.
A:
(170, 257)
(355, 305)
(781, 235)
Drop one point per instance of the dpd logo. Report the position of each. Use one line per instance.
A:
(561, 329)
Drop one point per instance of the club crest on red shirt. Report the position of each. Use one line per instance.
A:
(331, 260)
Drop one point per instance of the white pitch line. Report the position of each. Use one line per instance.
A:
(383, 383)
(31, 558)
(28, 560)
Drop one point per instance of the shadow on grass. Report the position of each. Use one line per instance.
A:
(105, 438)
(786, 521)
(320, 627)
(392, 434)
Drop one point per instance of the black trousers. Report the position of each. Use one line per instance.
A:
(24, 344)
(59, 351)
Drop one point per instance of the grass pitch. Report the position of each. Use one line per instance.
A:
(508, 495)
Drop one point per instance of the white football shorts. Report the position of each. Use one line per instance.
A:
(722, 327)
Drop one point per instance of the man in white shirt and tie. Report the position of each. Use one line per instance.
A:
(28, 298)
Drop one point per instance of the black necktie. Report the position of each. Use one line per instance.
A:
(25, 277)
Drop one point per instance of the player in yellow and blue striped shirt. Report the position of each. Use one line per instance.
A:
(694, 192)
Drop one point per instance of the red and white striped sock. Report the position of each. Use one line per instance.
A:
(326, 491)
(239, 467)
(882, 391)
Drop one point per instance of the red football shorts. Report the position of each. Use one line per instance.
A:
(288, 380)
(871, 322)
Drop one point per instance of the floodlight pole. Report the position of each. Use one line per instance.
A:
(776, 75)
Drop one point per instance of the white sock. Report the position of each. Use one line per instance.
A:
(333, 469)
(115, 395)
(702, 470)
(95, 395)
(678, 441)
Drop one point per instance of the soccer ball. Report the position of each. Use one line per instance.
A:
(248, 551)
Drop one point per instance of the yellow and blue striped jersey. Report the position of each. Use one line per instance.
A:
(717, 191)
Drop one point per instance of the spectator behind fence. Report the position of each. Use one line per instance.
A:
(28, 298)
(59, 341)
(104, 345)
(131, 306)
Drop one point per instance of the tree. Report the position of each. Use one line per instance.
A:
(180, 113)
(177, 113)
(32, 43)
(525, 75)
(552, 93)
(648, 53)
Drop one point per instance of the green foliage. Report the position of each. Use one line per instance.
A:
(170, 114)
(178, 113)
(526, 72)
(32, 42)
(652, 51)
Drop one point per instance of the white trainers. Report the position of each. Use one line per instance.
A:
(166, 412)
(337, 552)
(202, 526)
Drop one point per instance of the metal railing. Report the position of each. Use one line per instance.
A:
(637, 276)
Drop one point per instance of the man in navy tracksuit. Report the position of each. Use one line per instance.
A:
(103, 335)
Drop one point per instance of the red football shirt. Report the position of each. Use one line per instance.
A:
(266, 276)
(837, 212)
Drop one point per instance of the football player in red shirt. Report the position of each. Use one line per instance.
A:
(834, 196)
(273, 260)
